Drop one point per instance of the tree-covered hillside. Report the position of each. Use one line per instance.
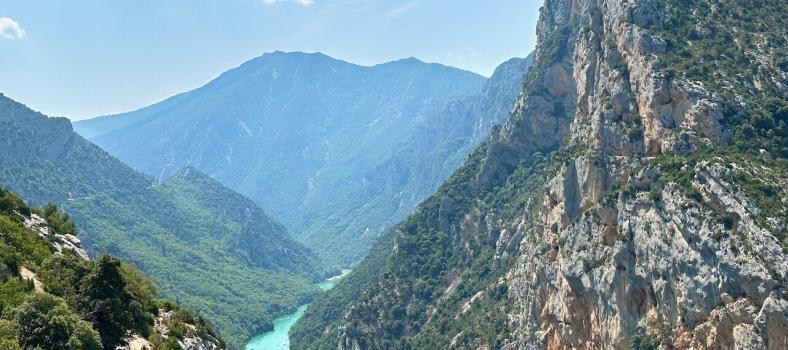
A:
(206, 247)
(53, 298)
(338, 152)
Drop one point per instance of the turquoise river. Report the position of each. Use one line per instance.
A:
(277, 339)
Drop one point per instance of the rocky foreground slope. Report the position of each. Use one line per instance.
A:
(635, 198)
(52, 296)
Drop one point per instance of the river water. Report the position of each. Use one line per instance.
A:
(277, 339)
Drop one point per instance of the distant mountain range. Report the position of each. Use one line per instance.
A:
(338, 152)
(207, 247)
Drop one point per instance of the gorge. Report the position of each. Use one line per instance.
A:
(624, 186)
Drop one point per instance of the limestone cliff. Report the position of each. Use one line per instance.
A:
(661, 262)
(634, 198)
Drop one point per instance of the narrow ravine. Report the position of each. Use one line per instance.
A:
(277, 339)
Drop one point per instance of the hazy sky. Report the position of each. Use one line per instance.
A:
(81, 59)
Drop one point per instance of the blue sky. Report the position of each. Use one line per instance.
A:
(86, 58)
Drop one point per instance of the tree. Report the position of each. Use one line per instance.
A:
(112, 295)
(106, 302)
(9, 335)
(57, 221)
(45, 321)
(141, 290)
(62, 276)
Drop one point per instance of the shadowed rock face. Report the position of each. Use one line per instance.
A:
(632, 232)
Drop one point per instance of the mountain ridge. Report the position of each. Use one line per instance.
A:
(84, 127)
(336, 151)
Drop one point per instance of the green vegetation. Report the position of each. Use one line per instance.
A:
(643, 341)
(756, 175)
(206, 247)
(432, 259)
(759, 179)
(58, 222)
(396, 303)
(738, 50)
(659, 335)
(85, 305)
(46, 322)
(18, 246)
(180, 322)
(317, 329)
(484, 324)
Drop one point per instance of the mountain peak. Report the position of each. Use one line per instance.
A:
(408, 60)
(188, 171)
(294, 54)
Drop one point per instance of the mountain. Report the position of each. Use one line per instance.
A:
(338, 152)
(53, 297)
(204, 245)
(635, 198)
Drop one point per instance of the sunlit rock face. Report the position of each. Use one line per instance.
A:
(643, 227)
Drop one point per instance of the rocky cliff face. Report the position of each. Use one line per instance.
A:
(620, 206)
(686, 263)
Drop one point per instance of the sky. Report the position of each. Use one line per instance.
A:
(87, 58)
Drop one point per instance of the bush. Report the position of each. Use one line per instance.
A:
(730, 220)
(106, 302)
(45, 321)
(643, 341)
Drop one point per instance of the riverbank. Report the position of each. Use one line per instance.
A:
(278, 339)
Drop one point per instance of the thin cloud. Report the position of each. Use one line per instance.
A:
(300, 2)
(11, 30)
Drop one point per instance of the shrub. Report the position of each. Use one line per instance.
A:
(45, 321)
(643, 341)
(730, 220)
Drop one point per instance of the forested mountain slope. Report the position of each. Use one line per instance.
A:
(635, 198)
(338, 152)
(53, 297)
(206, 246)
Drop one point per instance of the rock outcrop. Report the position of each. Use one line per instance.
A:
(58, 241)
(193, 339)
